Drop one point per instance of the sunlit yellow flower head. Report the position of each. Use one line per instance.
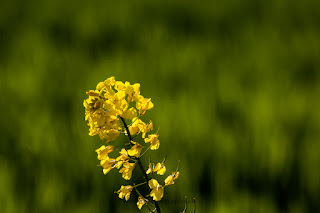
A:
(110, 101)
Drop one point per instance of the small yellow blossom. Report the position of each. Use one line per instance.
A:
(126, 170)
(141, 202)
(103, 151)
(135, 150)
(157, 190)
(160, 168)
(110, 135)
(93, 93)
(136, 126)
(133, 91)
(110, 81)
(150, 169)
(130, 113)
(120, 103)
(153, 139)
(100, 86)
(124, 192)
(106, 85)
(124, 157)
(120, 86)
(146, 129)
(170, 179)
(144, 105)
(107, 164)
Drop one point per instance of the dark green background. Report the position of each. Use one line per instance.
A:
(235, 86)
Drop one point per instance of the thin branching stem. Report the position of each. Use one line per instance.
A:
(139, 162)
(144, 152)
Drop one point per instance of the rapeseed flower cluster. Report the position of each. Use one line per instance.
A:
(107, 110)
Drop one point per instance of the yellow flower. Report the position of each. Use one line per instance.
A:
(150, 169)
(160, 168)
(106, 85)
(136, 126)
(126, 170)
(122, 158)
(130, 113)
(107, 164)
(141, 202)
(123, 155)
(133, 91)
(144, 105)
(135, 150)
(120, 86)
(120, 103)
(153, 139)
(108, 92)
(92, 103)
(146, 128)
(110, 81)
(169, 180)
(103, 151)
(110, 135)
(157, 190)
(124, 192)
(94, 93)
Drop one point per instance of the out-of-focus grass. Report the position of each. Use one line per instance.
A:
(235, 87)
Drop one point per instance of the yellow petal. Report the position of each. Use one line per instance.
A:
(135, 150)
(141, 202)
(160, 169)
(157, 193)
(100, 86)
(176, 175)
(110, 81)
(153, 183)
(130, 113)
(105, 171)
(169, 180)
(127, 196)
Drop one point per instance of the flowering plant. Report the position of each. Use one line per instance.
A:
(110, 111)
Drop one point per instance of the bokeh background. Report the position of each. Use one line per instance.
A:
(236, 88)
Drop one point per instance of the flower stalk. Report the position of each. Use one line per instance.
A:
(145, 176)
(105, 109)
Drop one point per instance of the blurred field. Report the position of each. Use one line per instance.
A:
(236, 87)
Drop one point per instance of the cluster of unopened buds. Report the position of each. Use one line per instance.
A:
(115, 108)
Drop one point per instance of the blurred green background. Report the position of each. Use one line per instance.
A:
(235, 84)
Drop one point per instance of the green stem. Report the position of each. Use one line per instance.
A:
(145, 176)
(134, 185)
